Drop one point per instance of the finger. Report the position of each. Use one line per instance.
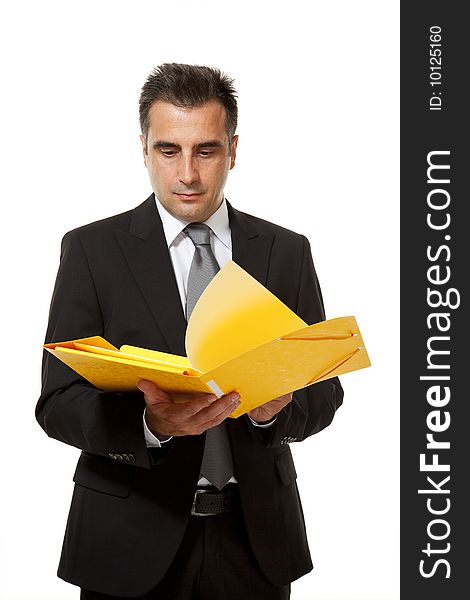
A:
(223, 407)
(287, 400)
(181, 415)
(217, 420)
(283, 400)
(192, 407)
(202, 420)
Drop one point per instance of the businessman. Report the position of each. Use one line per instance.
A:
(176, 500)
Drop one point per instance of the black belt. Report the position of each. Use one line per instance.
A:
(210, 501)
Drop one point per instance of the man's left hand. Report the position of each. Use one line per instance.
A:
(267, 411)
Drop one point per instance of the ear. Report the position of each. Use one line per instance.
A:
(233, 151)
(144, 148)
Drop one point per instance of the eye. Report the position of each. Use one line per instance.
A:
(205, 153)
(168, 153)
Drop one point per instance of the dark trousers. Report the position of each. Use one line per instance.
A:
(213, 562)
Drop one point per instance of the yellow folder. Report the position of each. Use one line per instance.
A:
(239, 337)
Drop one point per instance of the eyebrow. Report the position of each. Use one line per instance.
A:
(208, 144)
(211, 144)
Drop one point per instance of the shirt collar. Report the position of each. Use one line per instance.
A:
(218, 222)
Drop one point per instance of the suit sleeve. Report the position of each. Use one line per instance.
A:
(71, 409)
(312, 408)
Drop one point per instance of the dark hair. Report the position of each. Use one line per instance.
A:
(188, 86)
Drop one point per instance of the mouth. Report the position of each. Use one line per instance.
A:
(192, 196)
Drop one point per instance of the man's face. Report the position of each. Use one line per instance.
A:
(188, 157)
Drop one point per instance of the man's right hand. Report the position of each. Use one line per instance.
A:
(195, 415)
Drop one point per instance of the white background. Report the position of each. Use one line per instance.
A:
(318, 153)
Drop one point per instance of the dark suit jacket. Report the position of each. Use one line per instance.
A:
(130, 506)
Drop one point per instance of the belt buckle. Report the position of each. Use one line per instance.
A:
(193, 507)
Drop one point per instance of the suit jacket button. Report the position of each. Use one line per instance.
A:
(125, 457)
(131, 458)
(118, 456)
(111, 455)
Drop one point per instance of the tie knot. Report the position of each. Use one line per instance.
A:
(199, 233)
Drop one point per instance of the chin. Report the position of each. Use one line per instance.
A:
(191, 213)
(194, 213)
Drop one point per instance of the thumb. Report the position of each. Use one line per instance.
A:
(145, 386)
(152, 394)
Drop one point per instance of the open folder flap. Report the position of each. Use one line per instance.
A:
(235, 314)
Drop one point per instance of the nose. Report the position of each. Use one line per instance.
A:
(188, 173)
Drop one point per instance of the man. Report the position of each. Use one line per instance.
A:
(176, 501)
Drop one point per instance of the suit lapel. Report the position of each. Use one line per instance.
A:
(250, 249)
(146, 252)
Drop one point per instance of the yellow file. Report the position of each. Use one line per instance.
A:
(240, 337)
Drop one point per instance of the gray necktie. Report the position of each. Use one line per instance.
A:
(217, 464)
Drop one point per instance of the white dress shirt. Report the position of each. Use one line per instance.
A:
(182, 250)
